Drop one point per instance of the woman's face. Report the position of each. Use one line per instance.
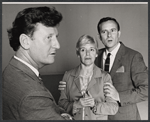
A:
(87, 54)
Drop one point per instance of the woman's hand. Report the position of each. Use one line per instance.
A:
(87, 101)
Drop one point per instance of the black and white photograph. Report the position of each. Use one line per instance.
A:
(74, 61)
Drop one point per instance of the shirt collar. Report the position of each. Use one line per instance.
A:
(30, 66)
(113, 52)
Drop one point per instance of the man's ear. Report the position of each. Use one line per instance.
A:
(24, 41)
(119, 34)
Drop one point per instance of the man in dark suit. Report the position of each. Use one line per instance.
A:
(127, 69)
(34, 38)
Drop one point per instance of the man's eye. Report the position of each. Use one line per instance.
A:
(82, 50)
(113, 30)
(49, 37)
(92, 49)
(104, 32)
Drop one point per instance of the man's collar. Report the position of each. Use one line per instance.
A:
(30, 66)
(114, 51)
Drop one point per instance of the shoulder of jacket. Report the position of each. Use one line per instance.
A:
(68, 73)
(131, 51)
(102, 49)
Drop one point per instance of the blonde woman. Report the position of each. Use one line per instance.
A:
(83, 96)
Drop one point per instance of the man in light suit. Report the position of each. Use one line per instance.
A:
(34, 38)
(127, 69)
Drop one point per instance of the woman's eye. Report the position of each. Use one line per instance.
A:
(92, 50)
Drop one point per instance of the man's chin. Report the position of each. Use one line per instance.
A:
(49, 62)
(52, 61)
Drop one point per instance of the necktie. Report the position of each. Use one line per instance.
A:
(41, 81)
(107, 62)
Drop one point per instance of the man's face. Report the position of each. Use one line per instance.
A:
(109, 34)
(87, 54)
(43, 45)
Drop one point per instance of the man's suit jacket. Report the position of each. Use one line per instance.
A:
(130, 77)
(72, 92)
(25, 97)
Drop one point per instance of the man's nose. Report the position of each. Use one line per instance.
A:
(109, 34)
(56, 44)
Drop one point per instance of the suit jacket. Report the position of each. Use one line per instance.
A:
(104, 106)
(25, 97)
(130, 77)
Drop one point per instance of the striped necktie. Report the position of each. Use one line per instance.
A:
(107, 62)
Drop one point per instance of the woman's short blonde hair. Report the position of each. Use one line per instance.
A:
(85, 39)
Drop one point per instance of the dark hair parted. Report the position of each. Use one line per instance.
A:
(26, 20)
(107, 19)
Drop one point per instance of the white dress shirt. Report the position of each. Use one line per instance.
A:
(112, 56)
(30, 66)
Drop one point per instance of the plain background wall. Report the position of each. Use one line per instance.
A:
(79, 19)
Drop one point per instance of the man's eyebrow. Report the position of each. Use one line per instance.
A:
(51, 34)
(106, 29)
(114, 28)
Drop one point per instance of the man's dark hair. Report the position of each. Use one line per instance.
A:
(26, 20)
(107, 19)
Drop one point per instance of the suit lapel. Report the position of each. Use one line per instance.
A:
(25, 69)
(117, 62)
(99, 59)
(116, 65)
(76, 79)
(91, 83)
(96, 74)
(77, 82)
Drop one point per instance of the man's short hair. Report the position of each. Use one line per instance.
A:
(107, 19)
(26, 20)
